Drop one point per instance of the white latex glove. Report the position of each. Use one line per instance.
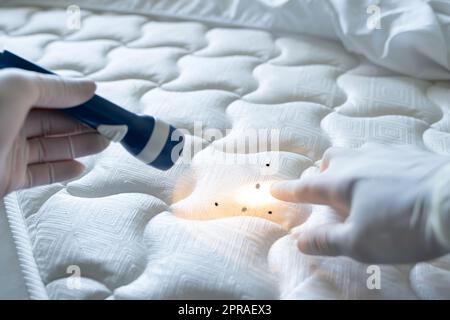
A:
(37, 146)
(394, 203)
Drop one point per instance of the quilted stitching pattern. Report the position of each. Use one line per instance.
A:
(136, 232)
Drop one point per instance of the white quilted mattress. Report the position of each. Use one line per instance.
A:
(135, 232)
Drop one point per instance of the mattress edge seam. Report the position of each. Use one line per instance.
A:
(27, 264)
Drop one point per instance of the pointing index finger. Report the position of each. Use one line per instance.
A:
(315, 190)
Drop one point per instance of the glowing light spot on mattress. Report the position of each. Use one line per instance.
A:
(232, 197)
(256, 197)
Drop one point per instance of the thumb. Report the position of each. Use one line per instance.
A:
(51, 91)
(326, 240)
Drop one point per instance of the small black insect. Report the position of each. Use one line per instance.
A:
(216, 204)
(267, 164)
(270, 212)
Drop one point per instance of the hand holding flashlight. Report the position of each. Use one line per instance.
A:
(38, 145)
(394, 204)
(149, 139)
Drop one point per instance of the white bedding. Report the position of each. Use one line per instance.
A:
(135, 232)
(409, 36)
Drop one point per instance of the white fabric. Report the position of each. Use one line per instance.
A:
(12, 284)
(136, 232)
(412, 36)
(438, 223)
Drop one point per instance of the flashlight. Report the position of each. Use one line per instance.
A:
(149, 139)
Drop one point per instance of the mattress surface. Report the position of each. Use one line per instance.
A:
(126, 230)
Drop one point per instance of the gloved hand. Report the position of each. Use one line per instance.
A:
(37, 146)
(394, 204)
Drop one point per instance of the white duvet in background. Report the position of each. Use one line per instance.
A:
(131, 231)
(407, 36)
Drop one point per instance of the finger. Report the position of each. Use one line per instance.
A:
(331, 154)
(50, 123)
(326, 240)
(64, 148)
(53, 91)
(317, 189)
(51, 172)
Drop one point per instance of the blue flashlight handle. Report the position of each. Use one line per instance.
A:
(93, 113)
(99, 112)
